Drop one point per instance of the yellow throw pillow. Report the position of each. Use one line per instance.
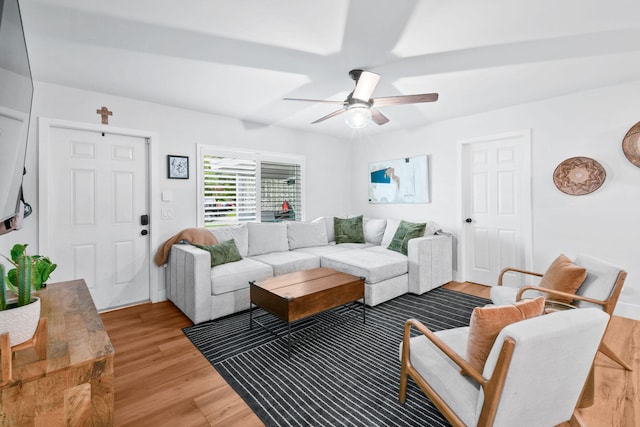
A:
(487, 322)
(563, 275)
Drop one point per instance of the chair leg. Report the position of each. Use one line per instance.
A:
(403, 383)
(606, 350)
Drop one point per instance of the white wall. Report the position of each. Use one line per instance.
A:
(592, 124)
(589, 124)
(179, 131)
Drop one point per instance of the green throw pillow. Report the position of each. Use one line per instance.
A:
(405, 232)
(222, 253)
(349, 230)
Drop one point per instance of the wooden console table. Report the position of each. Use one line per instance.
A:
(73, 385)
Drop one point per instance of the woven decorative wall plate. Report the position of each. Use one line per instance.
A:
(631, 144)
(579, 175)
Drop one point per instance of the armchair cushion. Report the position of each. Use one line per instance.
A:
(459, 391)
(487, 322)
(563, 275)
(600, 281)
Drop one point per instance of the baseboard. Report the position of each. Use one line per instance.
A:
(632, 311)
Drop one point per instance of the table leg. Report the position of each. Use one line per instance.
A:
(288, 339)
(250, 315)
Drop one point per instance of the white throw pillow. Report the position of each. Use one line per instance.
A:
(389, 231)
(328, 223)
(239, 233)
(374, 230)
(306, 234)
(266, 237)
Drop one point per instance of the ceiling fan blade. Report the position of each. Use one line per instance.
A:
(314, 100)
(328, 116)
(378, 117)
(365, 85)
(405, 99)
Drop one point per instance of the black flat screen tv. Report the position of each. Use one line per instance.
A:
(16, 93)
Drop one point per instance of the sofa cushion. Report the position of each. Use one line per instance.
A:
(405, 232)
(384, 251)
(306, 234)
(374, 230)
(389, 231)
(349, 230)
(355, 245)
(237, 275)
(288, 261)
(238, 233)
(323, 250)
(266, 237)
(373, 266)
(222, 253)
(328, 224)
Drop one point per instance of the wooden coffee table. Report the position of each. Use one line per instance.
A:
(296, 296)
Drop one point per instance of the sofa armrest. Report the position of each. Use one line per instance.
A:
(430, 262)
(188, 278)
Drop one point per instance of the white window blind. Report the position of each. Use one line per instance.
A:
(229, 190)
(236, 187)
(281, 192)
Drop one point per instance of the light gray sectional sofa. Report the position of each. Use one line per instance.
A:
(203, 292)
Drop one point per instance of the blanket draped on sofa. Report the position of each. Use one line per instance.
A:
(195, 236)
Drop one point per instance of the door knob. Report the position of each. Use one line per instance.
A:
(468, 220)
(144, 232)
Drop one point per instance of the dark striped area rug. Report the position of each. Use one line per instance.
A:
(341, 371)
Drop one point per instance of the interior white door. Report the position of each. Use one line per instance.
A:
(496, 207)
(97, 199)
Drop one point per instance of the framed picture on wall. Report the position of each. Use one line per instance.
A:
(399, 181)
(177, 167)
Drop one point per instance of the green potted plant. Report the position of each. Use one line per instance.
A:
(19, 316)
(42, 268)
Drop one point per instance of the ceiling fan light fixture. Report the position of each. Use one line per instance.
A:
(357, 116)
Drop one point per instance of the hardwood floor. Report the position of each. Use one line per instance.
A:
(161, 379)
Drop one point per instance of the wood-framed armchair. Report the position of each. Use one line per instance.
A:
(534, 375)
(600, 289)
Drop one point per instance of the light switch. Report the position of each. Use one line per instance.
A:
(166, 213)
(167, 196)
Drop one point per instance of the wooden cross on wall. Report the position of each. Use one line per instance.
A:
(105, 113)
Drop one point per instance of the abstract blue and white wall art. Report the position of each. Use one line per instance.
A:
(399, 181)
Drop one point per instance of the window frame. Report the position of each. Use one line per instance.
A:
(258, 157)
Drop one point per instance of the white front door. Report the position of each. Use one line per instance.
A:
(97, 199)
(496, 206)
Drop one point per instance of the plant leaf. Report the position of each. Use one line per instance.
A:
(12, 280)
(17, 251)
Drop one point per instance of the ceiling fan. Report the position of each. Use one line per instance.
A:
(359, 105)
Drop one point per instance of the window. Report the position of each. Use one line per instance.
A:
(280, 192)
(237, 187)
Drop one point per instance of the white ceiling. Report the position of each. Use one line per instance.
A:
(239, 58)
